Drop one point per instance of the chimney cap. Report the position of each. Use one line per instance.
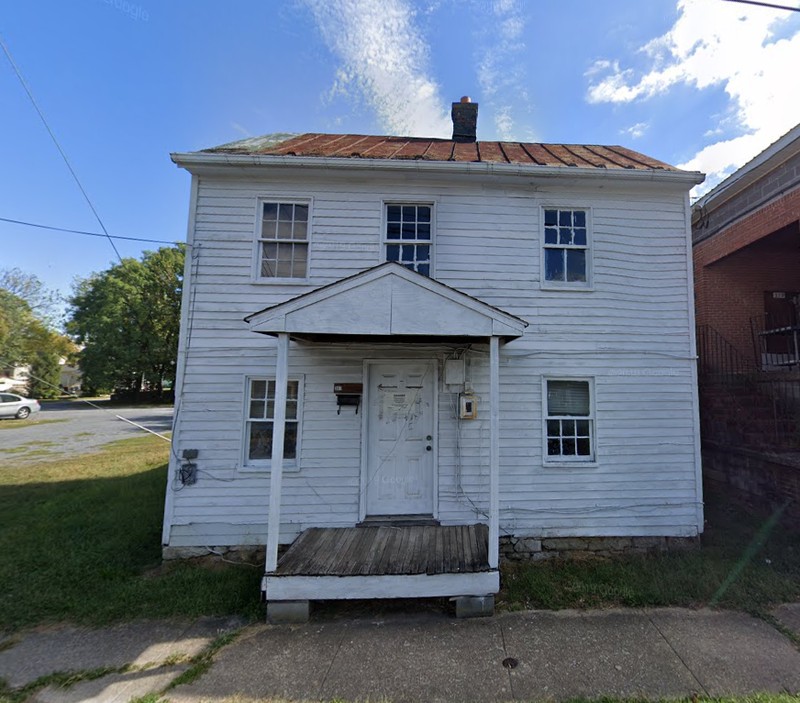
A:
(466, 99)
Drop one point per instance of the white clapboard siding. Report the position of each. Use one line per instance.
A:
(630, 333)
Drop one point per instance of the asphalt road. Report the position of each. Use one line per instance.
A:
(78, 429)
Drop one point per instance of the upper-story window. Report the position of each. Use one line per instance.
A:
(283, 240)
(566, 247)
(408, 236)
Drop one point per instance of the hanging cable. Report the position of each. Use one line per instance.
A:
(58, 146)
(89, 234)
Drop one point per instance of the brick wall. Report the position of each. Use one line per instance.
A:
(730, 291)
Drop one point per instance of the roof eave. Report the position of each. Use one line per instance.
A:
(198, 162)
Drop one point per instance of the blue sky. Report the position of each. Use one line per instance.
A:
(704, 84)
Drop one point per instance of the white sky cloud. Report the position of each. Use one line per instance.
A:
(385, 60)
(718, 44)
(500, 74)
(637, 130)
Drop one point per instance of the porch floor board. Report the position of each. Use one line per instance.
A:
(385, 551)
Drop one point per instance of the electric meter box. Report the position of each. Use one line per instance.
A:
(467, 406)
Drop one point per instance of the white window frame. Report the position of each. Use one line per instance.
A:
(586, 285)
(385, 241)
(264, 465)
(281, 200)
(572, 460)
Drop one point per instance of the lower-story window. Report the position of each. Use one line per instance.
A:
(569, 422)
(261, 418)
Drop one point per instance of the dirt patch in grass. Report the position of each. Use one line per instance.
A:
(18, 424)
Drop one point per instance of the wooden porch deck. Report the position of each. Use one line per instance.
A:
(385, 562)
(383, 551)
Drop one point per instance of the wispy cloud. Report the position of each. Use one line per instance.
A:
(636, 131)
(718, 44)
(501, 75)
(385, 61)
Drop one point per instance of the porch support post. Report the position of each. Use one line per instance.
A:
(494, 451)
(276, 466)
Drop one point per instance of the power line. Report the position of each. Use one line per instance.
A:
(80, 231)
(767, 4)
(58, 146)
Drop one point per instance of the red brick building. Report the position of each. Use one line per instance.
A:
(746, 246)
(746, 240)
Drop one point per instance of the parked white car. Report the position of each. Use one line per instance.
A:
(12, 405)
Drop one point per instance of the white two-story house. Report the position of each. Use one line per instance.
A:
(399, 354)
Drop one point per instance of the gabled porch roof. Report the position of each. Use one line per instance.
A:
(386, 301)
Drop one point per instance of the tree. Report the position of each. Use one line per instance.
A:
(128, 319)
(27, 337)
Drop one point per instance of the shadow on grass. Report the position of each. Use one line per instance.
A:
(745, 562)
(80, 551)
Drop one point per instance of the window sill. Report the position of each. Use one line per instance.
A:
(288, 468)
(549, 286)
(570, 464)
(282, 281)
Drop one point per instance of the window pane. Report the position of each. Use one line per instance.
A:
(576, 265)
(301, 213)
(260, 443)
(270, 212)
(550, 218)
(409, 230)
(579, 237)
(582, 428)
(258, 389)
(584, 447)
(290, 441)
(564, 235)
(257, 409)
(423, 213)
(393, 213)
(553, 447)
(268, 269)
(271, 389)
(567, 428)
(551, 235)
(408, 252)
(568, 398)
(423, 252)
(565, 218)
(553, 428)
(424, 269)
(423, 231)
(393, 252)
(291, 409)
(393, 230)
(579, 218)
(554, 264)
(284, 229)
(409, 213)
(285, 212)
(300, 230)
(568, 446)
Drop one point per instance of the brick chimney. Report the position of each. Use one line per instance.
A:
(465, 120)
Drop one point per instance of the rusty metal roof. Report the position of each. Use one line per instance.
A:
(358, 146)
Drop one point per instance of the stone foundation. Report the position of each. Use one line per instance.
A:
(247, 554)
(539, 549)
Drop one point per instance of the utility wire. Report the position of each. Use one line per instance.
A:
(767, 4)
(58, 146)
(80, 231)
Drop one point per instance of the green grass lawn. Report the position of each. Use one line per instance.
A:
(81, 542)
(745, 563)
(81, 539)
(14, 424)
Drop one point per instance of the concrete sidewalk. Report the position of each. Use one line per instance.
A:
(531, 655)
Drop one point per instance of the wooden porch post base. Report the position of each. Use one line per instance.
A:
(474, 606)
(287, 612)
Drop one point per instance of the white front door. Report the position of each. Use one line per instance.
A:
(400, 441)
